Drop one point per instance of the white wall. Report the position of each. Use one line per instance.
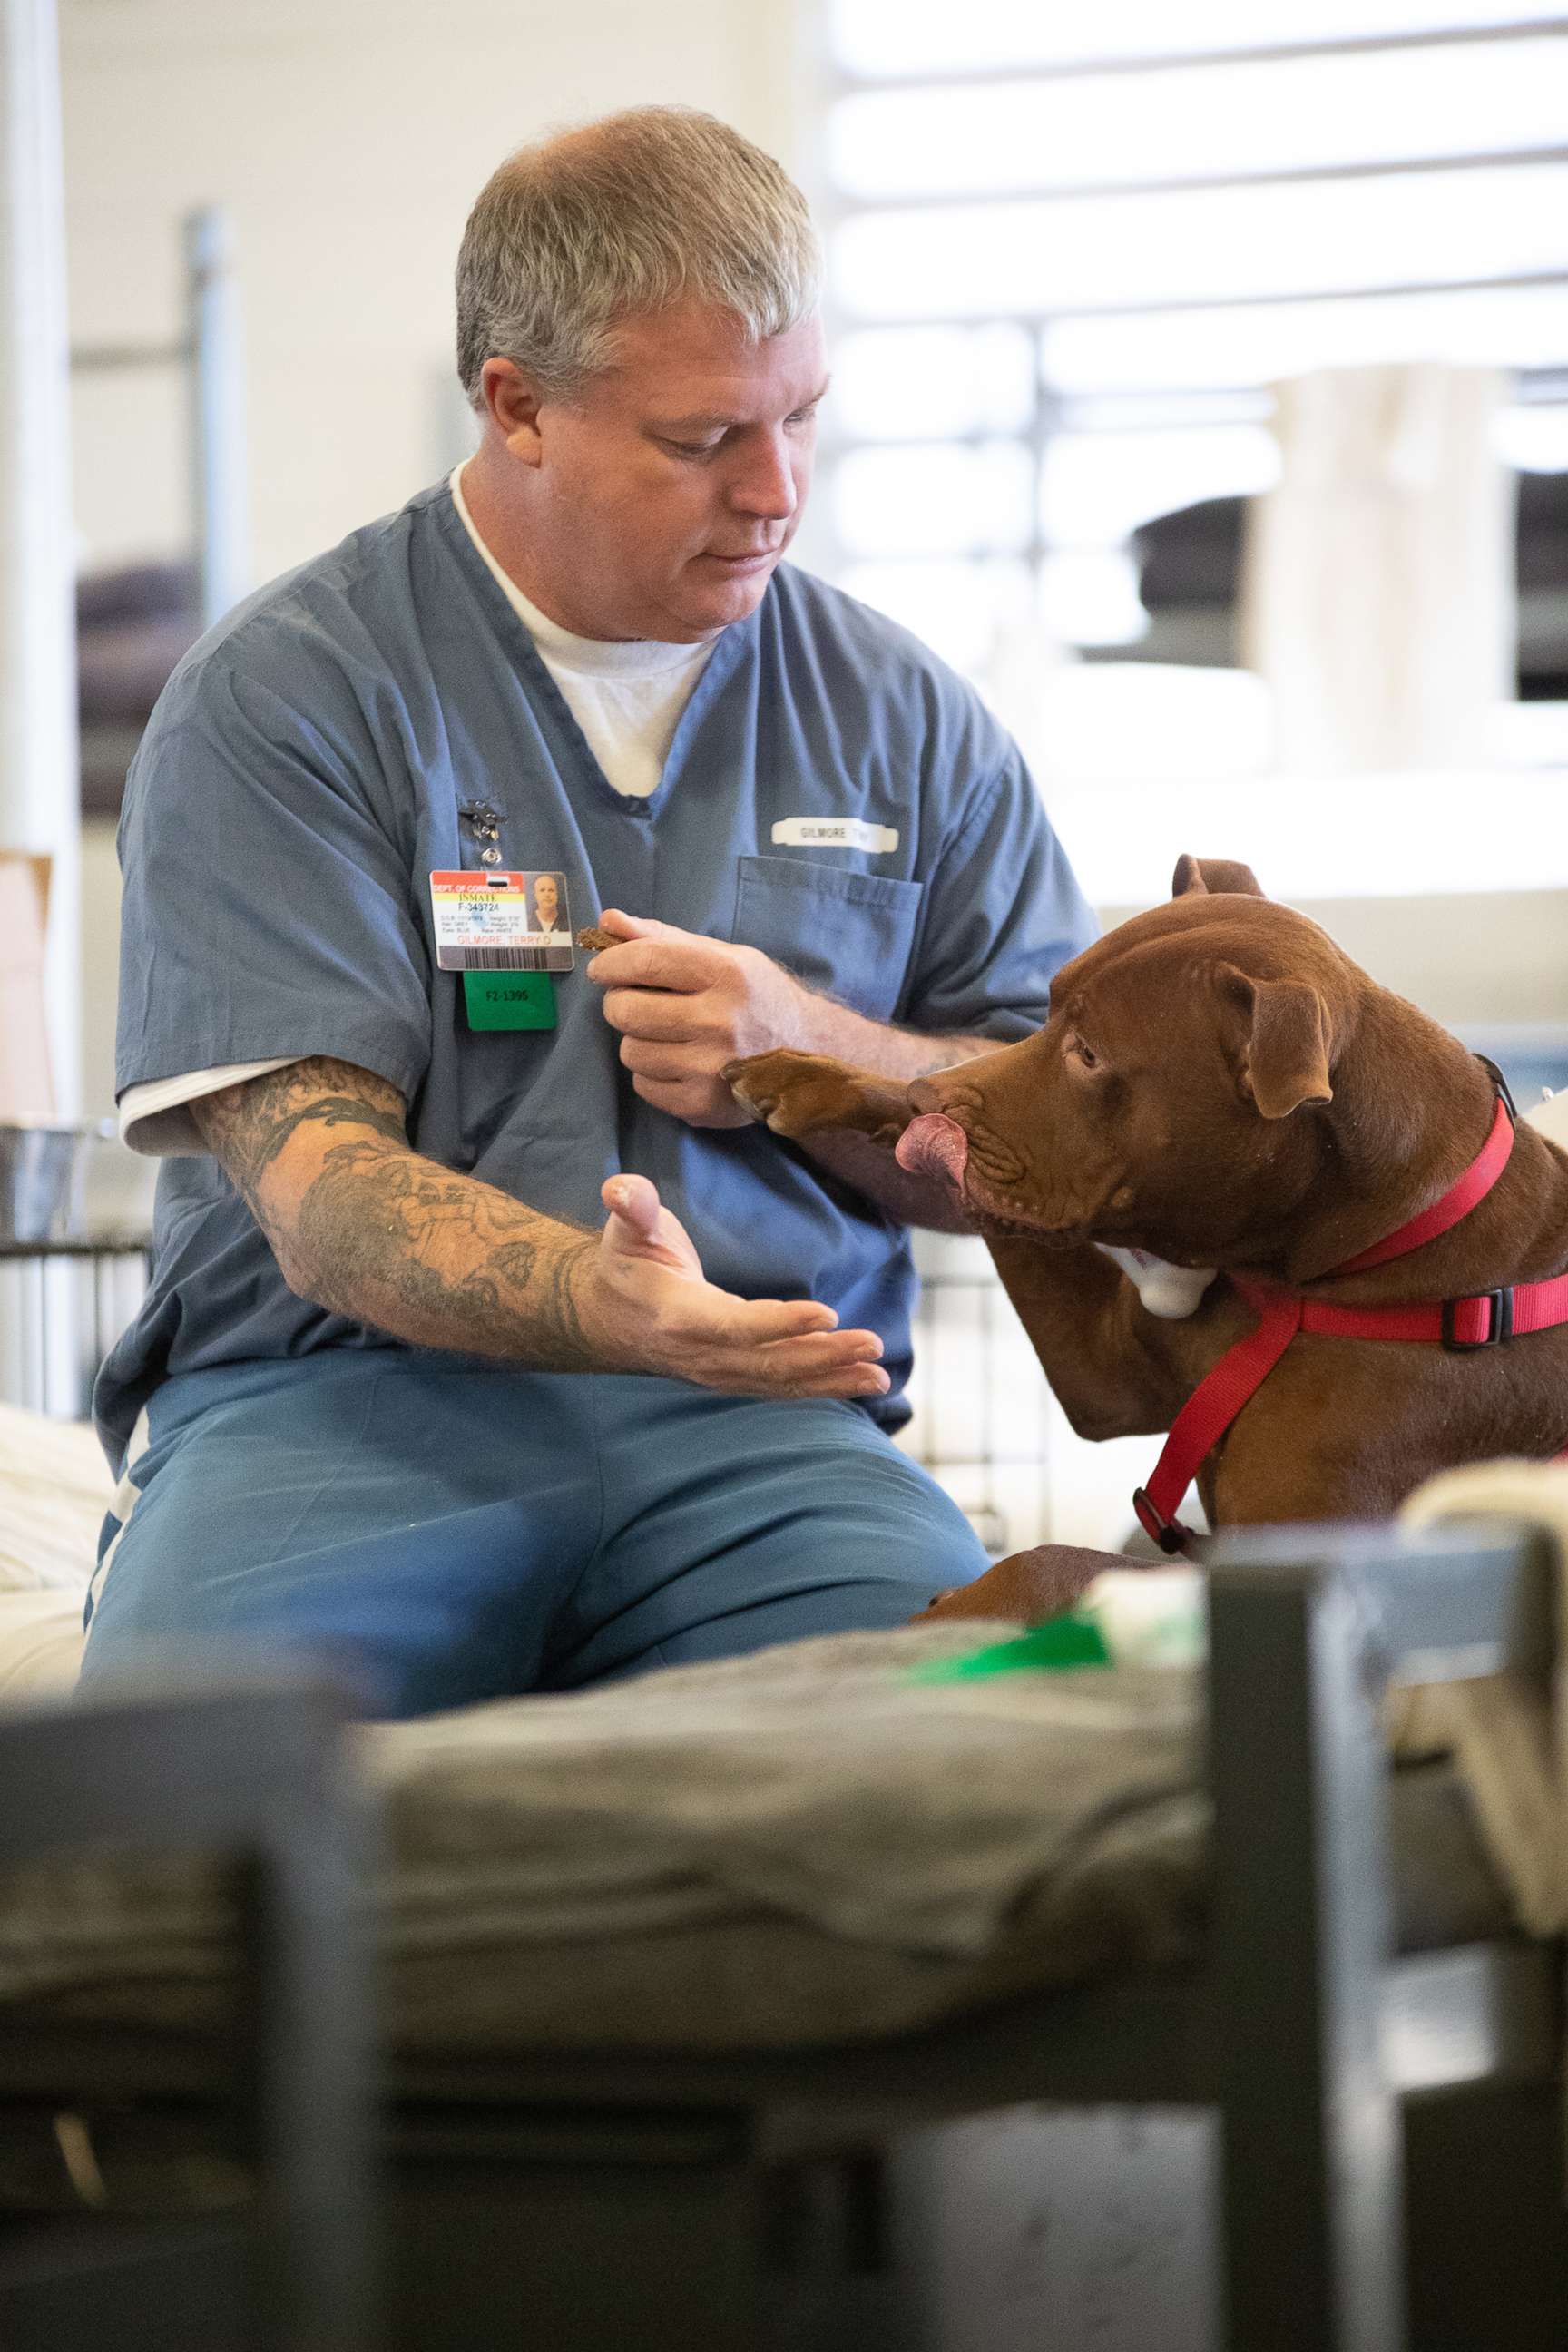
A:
(347, 140)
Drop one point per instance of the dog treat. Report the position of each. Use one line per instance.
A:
(595, 939)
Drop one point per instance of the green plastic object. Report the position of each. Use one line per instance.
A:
(1060, 1645)
(509, 999)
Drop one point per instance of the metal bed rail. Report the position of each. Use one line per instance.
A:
(63, 1304)
(251, 1769)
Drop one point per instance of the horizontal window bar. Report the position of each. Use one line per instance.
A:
(1099, 253)
(1154, 306)
(907, 41)
(1195, 349)
(1229, 125)
(1202, 183)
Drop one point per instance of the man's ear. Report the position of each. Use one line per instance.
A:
(1287, 1045)
(511, 404)
(1195, 876)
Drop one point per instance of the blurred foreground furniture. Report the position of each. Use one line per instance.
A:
(1389, 2167)
(273, 2252)
(1390, 2139)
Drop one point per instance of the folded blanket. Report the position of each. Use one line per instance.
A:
(810, 1843)
(815, 1843)
(1508, 1733)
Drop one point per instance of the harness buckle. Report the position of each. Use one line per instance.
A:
(1499, 1322)
(1169, 1534)
(1501, 1084)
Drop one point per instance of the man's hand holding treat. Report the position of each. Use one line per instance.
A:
(684, 1006)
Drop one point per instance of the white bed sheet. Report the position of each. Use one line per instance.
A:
(53, 1489)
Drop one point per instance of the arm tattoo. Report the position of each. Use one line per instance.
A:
(429, 1254)
(390, 1238)
(246, 1127)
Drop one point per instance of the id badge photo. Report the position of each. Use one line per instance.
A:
(509, 932)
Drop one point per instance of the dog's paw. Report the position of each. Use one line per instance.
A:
(795, 1095)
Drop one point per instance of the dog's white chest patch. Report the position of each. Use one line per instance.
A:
(1169, 1291)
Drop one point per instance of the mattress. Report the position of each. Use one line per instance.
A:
(813, 1844)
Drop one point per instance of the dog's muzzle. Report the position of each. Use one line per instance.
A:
(934, 1145)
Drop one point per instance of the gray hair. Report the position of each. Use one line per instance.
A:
(657, 205)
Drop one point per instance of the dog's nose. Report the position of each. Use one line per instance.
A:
(933, 1146)
(924, 1095)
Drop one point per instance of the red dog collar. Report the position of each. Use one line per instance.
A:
(1486, 1319)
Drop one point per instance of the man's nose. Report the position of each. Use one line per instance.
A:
(765, 485)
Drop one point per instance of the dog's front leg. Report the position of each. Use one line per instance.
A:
(1118, 1370)
(850, 1121)
(1027, 1587)
(803, 1095)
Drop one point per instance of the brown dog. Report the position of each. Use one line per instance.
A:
(1218, 1085)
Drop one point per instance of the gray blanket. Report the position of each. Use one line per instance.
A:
(805, 1845)
(808, 1845)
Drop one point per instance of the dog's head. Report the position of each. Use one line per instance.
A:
(1171, 1100)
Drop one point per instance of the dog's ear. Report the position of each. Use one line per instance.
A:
(1285, 1055)
(1196, 875)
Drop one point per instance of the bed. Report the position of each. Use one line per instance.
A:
(814, 2001)
(54, 1490)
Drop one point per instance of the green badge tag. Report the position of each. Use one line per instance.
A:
(509, 999)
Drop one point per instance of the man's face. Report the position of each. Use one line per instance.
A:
(546, 902)
(671, 485)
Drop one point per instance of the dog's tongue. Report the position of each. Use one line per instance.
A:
(934, 1145)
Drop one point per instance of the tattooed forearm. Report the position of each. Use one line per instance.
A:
(440, 1258)
(332, 1110)
(364, 1226)
(247, 1126)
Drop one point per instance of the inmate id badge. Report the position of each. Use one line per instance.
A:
(501, 921)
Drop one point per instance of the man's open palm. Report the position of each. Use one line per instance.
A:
(659, 1313)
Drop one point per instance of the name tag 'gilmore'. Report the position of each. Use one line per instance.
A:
(834, 833)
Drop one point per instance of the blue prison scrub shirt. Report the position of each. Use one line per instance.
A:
(300, 779)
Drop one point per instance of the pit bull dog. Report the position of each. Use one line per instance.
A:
(1219, 1086)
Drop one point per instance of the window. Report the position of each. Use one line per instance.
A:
(1070, 251)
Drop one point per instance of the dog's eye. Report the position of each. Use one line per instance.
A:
(1088, 1058)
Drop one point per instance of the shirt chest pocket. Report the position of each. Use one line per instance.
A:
(850, 935)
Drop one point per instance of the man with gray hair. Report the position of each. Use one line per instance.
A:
(402, 1390)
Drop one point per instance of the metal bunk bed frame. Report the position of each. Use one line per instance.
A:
(770, 2202)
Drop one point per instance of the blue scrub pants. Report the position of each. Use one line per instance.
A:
(447, 1534)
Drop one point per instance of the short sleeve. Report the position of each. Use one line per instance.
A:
(1004, 912)
(268, 910)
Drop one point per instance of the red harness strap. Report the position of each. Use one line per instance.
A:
(1485, 1320)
